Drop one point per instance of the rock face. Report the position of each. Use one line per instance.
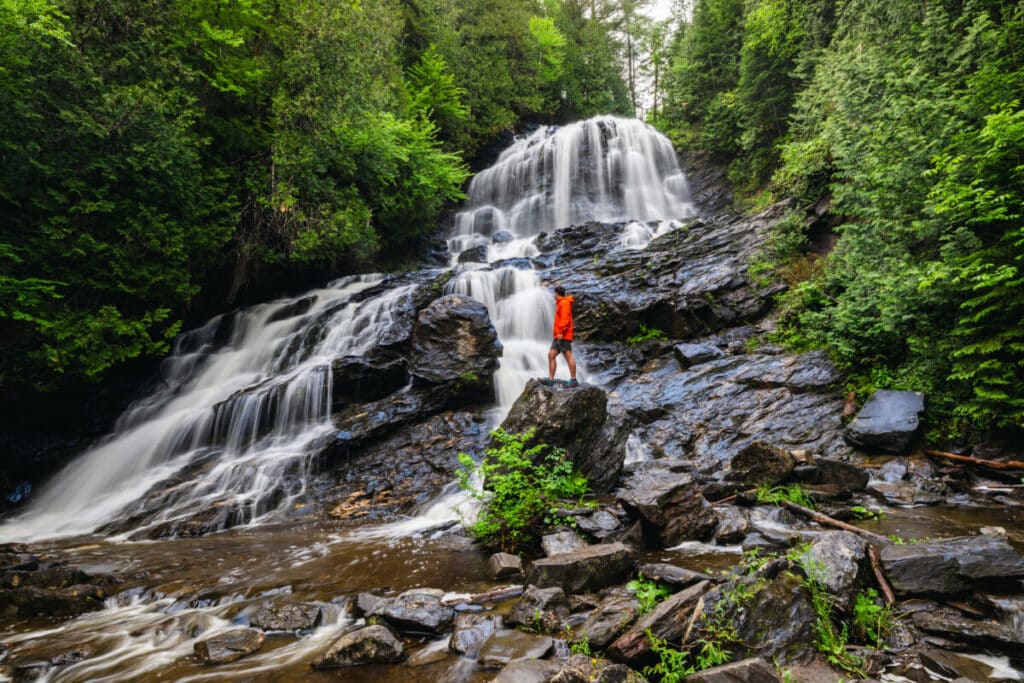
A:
(229, 646)
(454, 340)
(951, 623)
(615, 613)
(571, 419)
(888, 421)
(951, 565)
(30, 587)
(587, 569)
(368, 378)
(415, 611)
(286, 617)
(369, 645)
(671, 504)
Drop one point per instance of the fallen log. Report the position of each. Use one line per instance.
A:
(876, 567)
(825, 520)
(992, 464)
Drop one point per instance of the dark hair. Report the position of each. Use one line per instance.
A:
(560, 290)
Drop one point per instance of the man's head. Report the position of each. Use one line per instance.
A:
(560, 290)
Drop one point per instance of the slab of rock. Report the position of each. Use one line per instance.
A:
(587, 569)
(829, 471)
(228, 646)
(549, 606)
(671, 504)
(529, 671)
(951, 565)
(677, 577)
(733, 525)
(668, 621)
(584, 669)
(752, 670)
(504, 565)
(761, 463)
(836, 560)
(415, 611)
(562, 543)
(952, 624)
(368, 645)
(600, 524)
(888, 421)
(607, 621)
(290, 616)
(454, 340)
(689, 355)
(367, 378)
(571, 419)
(508, 646)
(471, 630)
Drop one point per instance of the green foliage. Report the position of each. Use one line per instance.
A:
(673, 666)
(872, 621)
(794, 493)
(522, 489)
(861, 512)
(581, 646)
(646, 334)
(648, 593)
(830, 639)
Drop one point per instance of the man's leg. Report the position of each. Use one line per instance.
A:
(552, 355)
(572, 363)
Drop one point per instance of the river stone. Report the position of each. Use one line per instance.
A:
(671, 504)
(528, 671)
(548, 606)
(454, 341)
(368, 645)
(561, 543)
(888, 421)
(733, 525)
(503, 565)
(668, 621)
(229, 646)
(836, 559)
(507, 646)
(591, 669)
(952, 624)
(761, 463)
(571, 419)
(415, 611)
(608, 619)
(588, 569)
(471, 630)
(951, 565)
(290, 616)
(366, 602)
(752, 670)
(689, 355)
(601, 524)
(477, 254)
(677, 577)
(829, 471)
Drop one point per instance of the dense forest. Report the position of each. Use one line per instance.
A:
(901, 123)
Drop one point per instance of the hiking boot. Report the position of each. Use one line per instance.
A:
(572, 383)
(547, 381)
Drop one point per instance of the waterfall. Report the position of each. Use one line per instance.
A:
(246, 400)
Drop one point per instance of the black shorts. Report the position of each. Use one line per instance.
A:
(561, 345)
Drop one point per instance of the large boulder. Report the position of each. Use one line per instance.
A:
(471, 631)
(415, 611)
(888, 421)
(761, 463)
(504, 565)
(561, 543)
(671, 504)
(540, 608)
(837, 560)
(571, 419)
(508, 646)
(228, 646)
(951, 565)
(454, 341)
(367, 378)
(370, 645)
(588, 569)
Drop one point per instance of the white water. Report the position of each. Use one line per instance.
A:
(242, 414)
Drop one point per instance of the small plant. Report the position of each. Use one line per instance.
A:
(673, 665)
(794, 493)
(581, 646)
(522, 486)
(862, 513)
(871, 620)
(829, 640)
(646, 334)
(648, 593)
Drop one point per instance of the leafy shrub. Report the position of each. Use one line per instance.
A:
(646, 334)
(648, 593)
(872, 622)
(794, 493)
(522, 488)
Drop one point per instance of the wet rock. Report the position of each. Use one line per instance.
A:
(671, 504)
(733, 525)
(746, 671)
(477, 254)
(888, 421)
(31, 671)
(600, 524)
(668, 621)
(357, 379)
(471, 630)
(837, 560)
(904, 493)
(677, 577)
(365, 603)
(589, 568)
(17, 558)
(229, 646)
(545, 608)
(72, 656)
(561, 543)
(504, 565)
(529, 671)
(829, 471)
(955, 666)
(607, 621)
(571, 419)
(584, 669)
(29, 601)
(509, 646)
(689, 355)
(289, 616)
(761, 463)
(54, 576)
(952, 624)
(368, 645)
(502, 236)
(415, 611)
(951, 565)
(454, 341)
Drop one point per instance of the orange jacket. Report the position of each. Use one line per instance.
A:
(563, 317)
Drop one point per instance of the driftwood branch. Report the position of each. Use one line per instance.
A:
(992, 464)
(883, 583)
(825, 520)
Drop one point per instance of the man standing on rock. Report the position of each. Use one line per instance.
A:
(563, 337)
